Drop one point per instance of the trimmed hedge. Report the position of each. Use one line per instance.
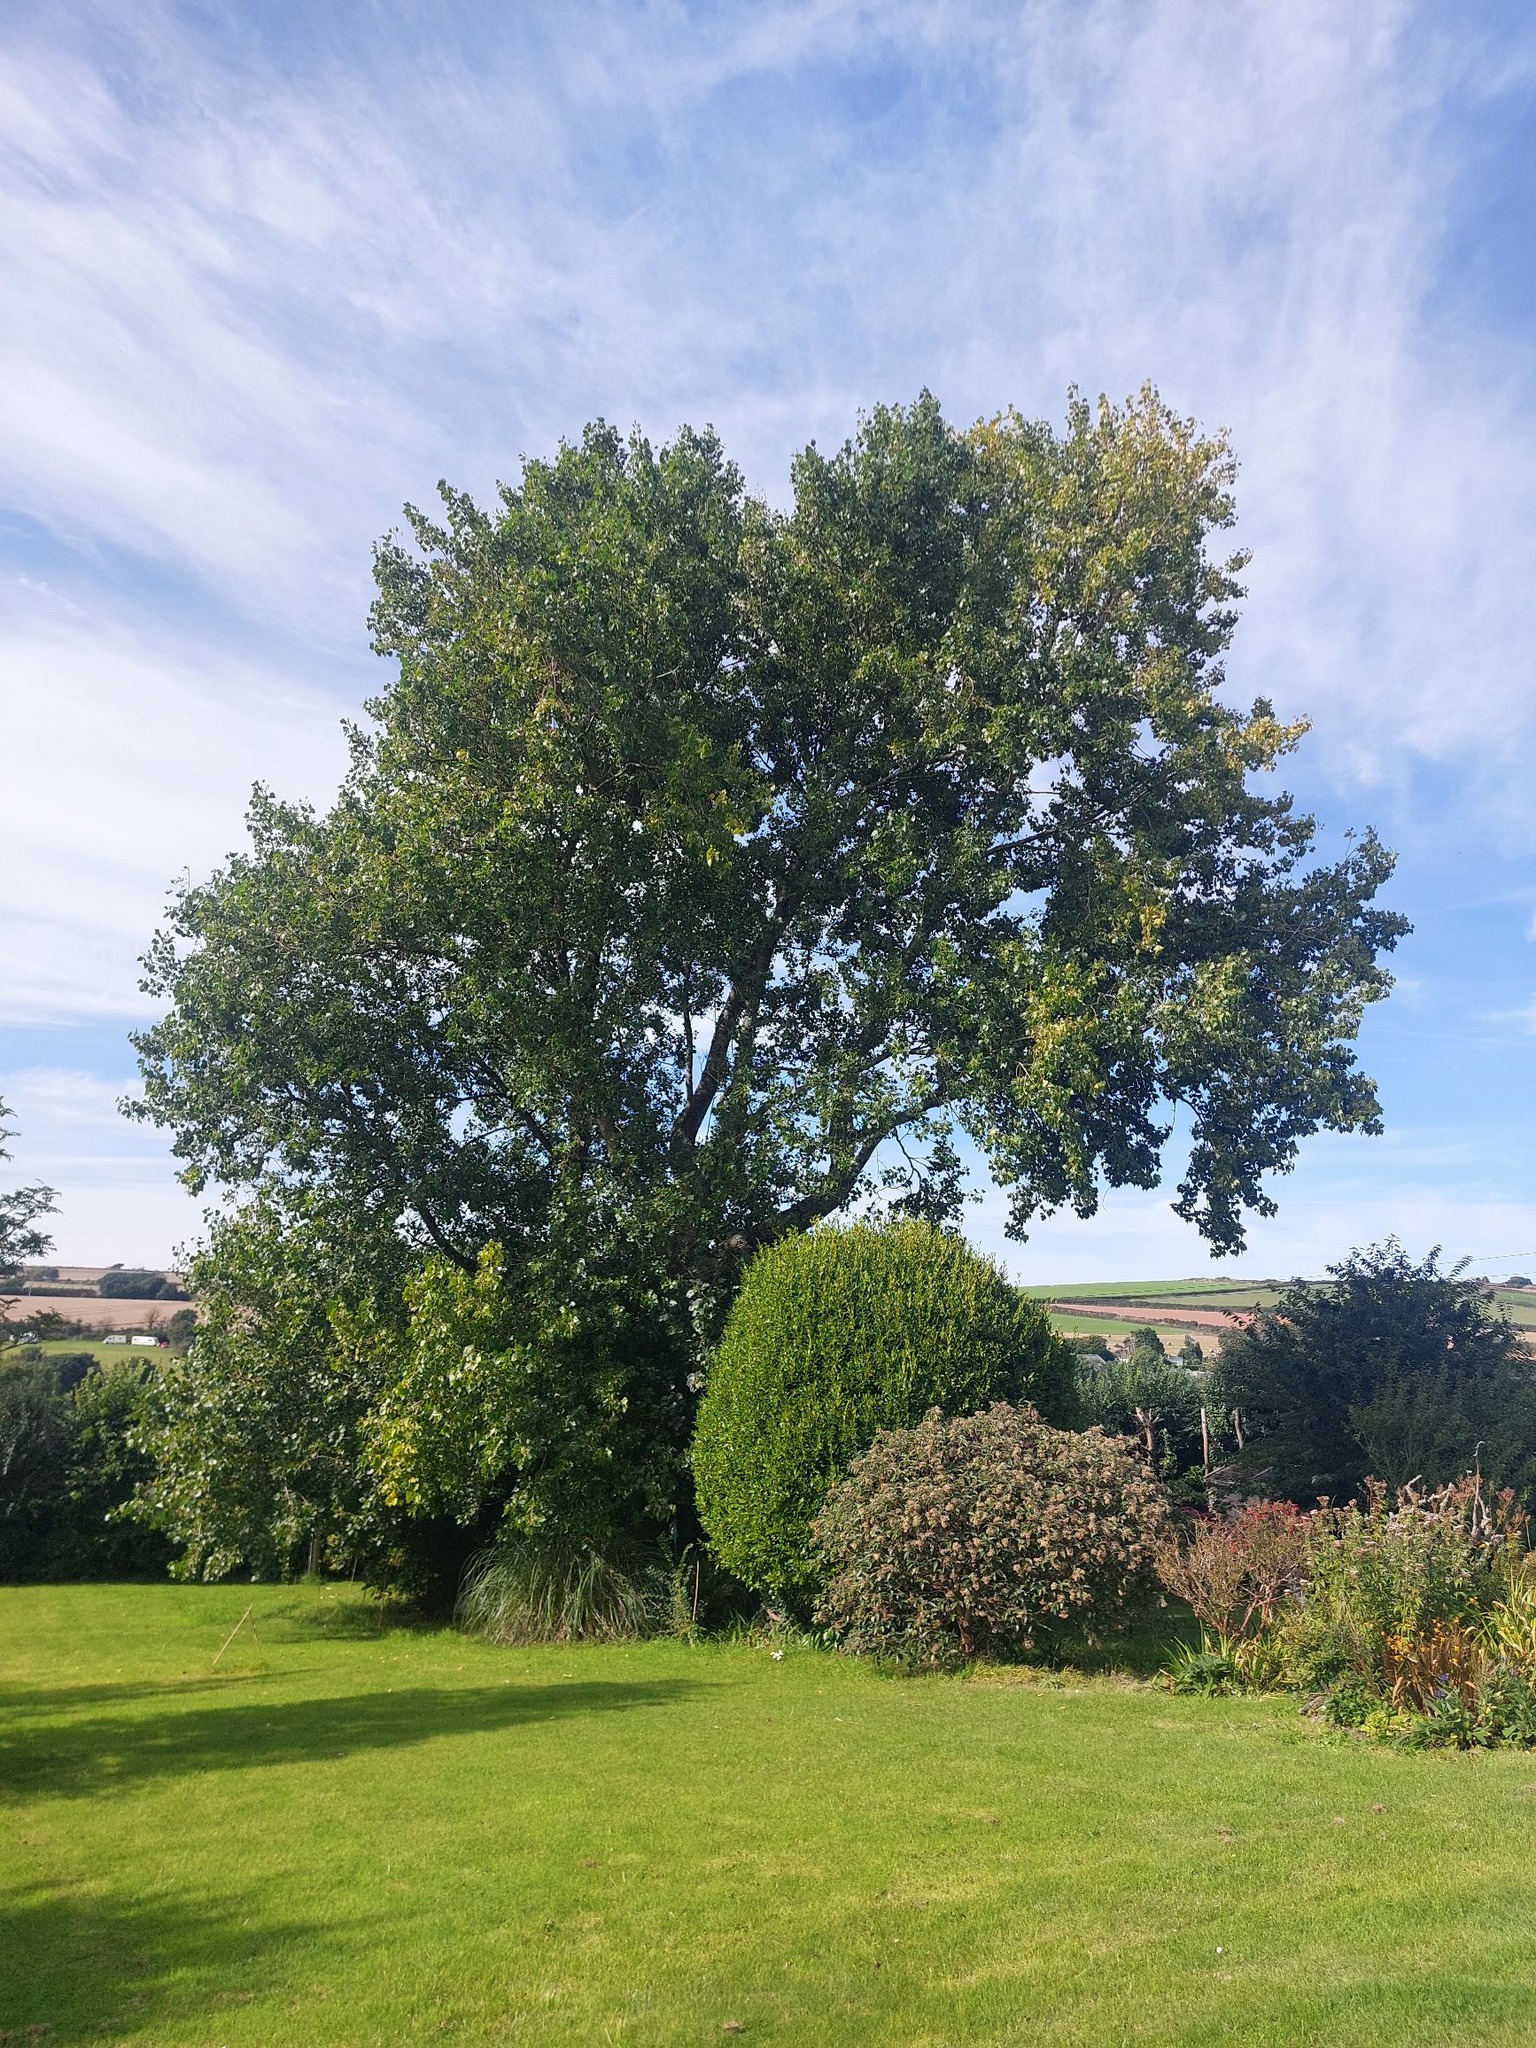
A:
(964, 1538)
(833, 1337)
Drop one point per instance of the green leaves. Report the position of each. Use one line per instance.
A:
(1390, 1369)
(833, 1337)
(706, 867)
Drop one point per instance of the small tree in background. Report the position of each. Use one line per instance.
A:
(1390, 1369)
(20, 1238)
(1164, 1407)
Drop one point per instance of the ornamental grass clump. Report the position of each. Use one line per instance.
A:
(547, 1588)
(972, 1536)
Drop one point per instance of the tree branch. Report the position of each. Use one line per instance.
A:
(835, 1187)
(464, 1263)
(744, 997)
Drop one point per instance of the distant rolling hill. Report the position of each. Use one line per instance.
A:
(1201, 1308)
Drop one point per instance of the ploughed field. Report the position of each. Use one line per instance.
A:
(347, 1833)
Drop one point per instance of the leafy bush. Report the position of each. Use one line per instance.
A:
(833, 1337)
(1204, 1670)
(68, 1466)
(966, 1537)
(1398, 1565)
(556, 1394)
(181, 1328)
(1412, 1616)
(69, 1368)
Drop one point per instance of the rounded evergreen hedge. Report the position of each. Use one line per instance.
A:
(834, 1337)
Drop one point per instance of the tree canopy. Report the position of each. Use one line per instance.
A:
(707, 867)
(699, 851)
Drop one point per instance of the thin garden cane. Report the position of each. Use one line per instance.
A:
(240, 1624)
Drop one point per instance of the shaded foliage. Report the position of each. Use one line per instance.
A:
(69, 1465)
(1389, 1369)
(1158, 1402)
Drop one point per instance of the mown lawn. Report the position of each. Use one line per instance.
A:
(347, 1835)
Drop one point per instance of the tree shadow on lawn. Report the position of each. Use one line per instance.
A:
(55, 1699)
(75, 1965)
(109, 1753)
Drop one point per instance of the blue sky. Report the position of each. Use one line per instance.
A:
(270, 272)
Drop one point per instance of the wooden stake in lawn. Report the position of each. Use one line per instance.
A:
(240, 1624)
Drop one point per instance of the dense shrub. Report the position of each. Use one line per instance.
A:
(1389, 1368)
(68, 1464)
(835, 1336)
(181, 1328)
(967, 1537)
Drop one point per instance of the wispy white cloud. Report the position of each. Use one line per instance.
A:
(1524, 1016)
(268, 274)
(119, 1199)
(126, 763)
(242, 329)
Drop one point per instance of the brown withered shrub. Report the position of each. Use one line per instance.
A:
(964, 1538)
(1234, 1572)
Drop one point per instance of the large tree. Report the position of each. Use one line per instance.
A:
(705, 861)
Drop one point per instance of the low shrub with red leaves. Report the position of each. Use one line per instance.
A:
(1234, 1572)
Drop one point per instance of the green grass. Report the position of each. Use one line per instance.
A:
(1160, 1293)
(104, 1354)
(343, 1834)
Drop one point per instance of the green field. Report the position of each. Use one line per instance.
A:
(1163, 1299)
(350, 1834)
(104, 1354)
